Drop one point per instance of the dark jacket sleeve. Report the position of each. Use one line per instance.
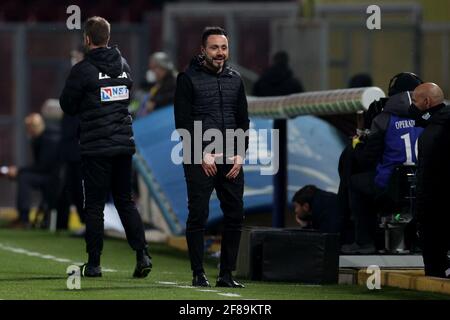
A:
(369, 153)
(242, 120)
(46, 157)
(165, 94)
(325, 212)
(183, 103)
(72, 93)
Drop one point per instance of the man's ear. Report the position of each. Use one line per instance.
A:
(306, 206)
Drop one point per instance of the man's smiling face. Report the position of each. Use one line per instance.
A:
(216, 52)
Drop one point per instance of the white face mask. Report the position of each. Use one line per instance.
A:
(73, 61)
(150, 76)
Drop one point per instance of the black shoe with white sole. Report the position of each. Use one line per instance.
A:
(143, 267)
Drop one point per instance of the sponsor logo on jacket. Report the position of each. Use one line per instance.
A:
(116, 93)
(102, 76)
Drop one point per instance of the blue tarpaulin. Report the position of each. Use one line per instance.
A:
(314, 147)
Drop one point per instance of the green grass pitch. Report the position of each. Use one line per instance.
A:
(29, 270)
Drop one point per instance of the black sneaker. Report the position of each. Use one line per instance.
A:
(227, 281)
(200, 280)
(143, 267)
(87, 270)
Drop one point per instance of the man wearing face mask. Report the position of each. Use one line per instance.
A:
(212, 93)
(162, 76)
(433, 177)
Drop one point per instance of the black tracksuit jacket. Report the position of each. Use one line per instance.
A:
(98, 90)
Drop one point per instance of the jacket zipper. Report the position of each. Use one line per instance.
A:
(221, 104)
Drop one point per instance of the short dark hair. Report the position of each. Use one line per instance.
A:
(208, 31)
(98, 30)
(281, 58)
(305, 195)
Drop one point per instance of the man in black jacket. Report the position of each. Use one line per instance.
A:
(317, 209)
(211, 93)
(43, 173)
(433, 176)
(97, 90)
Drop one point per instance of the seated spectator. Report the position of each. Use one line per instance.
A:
(42, 174)
(316, 209)
(162, 92)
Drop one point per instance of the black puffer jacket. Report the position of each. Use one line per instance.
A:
(215, 96)
(98, 91)
(433, 171)
(217, 100)
(45, 151)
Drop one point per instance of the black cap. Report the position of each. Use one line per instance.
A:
(405, 81)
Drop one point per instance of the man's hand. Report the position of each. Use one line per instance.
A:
(238, 161)
(12, 172)
(209, 164)
(302, 223)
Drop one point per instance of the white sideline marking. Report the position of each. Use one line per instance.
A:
(44, 256)
(225, 294)
(166, 282)
(229, 294)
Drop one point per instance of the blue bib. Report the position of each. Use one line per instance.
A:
(400, 147)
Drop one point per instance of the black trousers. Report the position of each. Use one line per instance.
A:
(363, 193)
(71, 193)
(435, 243)
(102, 175)
(345, 170)
(230, 194)
(26, 183)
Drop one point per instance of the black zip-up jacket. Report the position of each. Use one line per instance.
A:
(98, 90)
(217, 100)
(45, 150)
(433, 171)
(325, 215)
(70, 149)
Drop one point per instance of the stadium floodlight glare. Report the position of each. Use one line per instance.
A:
(342, 101)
